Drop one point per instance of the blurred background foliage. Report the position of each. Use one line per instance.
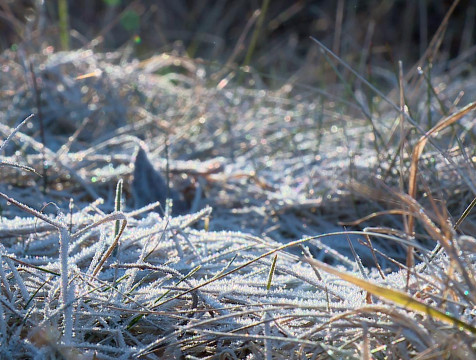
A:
(220, 31)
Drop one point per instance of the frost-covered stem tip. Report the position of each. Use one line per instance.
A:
(68, 309)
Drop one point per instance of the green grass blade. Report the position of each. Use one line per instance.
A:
(271, 272)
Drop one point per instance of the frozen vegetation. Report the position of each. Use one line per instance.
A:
(264, 185)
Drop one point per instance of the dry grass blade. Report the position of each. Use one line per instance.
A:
(418, 150)
(465, 213)
(114, 216)
(436, 41)
(394, 296)
(374, 215)
(442, 239)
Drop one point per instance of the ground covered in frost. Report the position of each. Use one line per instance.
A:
(249, 172)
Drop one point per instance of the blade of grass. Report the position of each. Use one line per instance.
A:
(238, 47)
(32, 266)
(410, 260)
(113, 245)
(394, 296)
(117, 208)
(254, 37)
(19, 166)
(418, 150)
(463, 216)
(436, 41)
(271, 272)
(137, 318)
(37, 91)
(348, 88)
(9, 137)
(465, 213)
(63, 24)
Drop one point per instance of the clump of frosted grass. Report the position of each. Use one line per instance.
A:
(230, 282)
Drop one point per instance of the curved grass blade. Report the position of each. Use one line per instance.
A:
(418, 150)
(271, 272)
(394, 296)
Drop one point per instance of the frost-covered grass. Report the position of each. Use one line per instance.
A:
(263, 183)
